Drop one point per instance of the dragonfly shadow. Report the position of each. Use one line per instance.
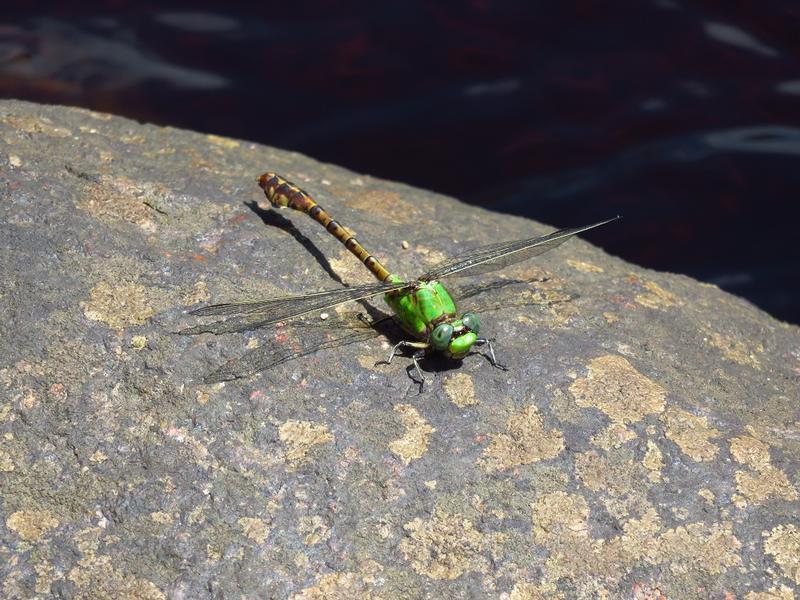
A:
(436, 362)
(273, 219)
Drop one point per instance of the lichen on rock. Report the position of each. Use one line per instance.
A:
(414, 442)
(526, 441)
(31, 525)
(762, 480)
(783, 544)
(460, 390)
(691, 433)
(300, 437)
(615, 387)
(443, 547)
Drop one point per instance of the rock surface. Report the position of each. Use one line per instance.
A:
(644, 442)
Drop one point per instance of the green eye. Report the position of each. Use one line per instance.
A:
(471, 322)
(440, 338)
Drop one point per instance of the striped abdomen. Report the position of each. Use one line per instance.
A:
(281, 194)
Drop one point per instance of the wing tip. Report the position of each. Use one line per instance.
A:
(208, 310)
(598, 224)
(611, 220)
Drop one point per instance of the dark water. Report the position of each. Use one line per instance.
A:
(683, 117)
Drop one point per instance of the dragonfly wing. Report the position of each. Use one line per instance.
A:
(273, 354)
(466, 292)
(507, 293)
(246, 308)
(498, 256)
(251, 315)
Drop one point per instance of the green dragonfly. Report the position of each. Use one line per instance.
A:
(422, 307)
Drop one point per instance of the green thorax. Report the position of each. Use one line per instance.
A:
(427, 312)
(420, 309)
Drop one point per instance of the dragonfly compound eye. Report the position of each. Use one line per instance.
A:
(440, 338)
(471, 322)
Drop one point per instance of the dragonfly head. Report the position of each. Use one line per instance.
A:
(455, 337)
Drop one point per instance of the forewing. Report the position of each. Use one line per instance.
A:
(251, 315)
(273, 353)
(471, 290)
(508, 293)
(498, 256)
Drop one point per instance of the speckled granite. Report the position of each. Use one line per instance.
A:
(644, 443)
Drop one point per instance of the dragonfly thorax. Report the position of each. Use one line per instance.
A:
(427, 312)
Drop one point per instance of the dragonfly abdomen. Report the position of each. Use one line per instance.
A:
(283, 194)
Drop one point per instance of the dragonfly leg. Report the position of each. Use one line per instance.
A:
(415, 357)
(492, 358)
(422, 348)
(403, 344)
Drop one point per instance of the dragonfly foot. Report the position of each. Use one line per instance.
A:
(415, 357)
(492, 357)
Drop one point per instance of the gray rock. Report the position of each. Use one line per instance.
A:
(645, 440)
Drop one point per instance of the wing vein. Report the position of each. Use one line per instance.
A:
(499, 255)
(252, 315)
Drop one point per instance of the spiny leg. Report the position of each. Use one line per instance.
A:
(492, 358)
(420, 353)
(416, 357)
(282, 194)
(404, 344)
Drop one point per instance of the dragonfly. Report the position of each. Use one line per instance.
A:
(422, 307)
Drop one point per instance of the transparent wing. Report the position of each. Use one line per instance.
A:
(251, 315)
(498, 287)
(498, 256)
(509, 293)
(335, 333)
